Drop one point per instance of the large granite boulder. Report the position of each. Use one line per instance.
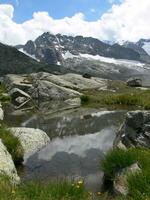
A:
(71, 80)
(32, 140)
(7, 166)
(46, 86)
(135, 131)
(47, 90)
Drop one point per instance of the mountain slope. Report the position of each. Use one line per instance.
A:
(145, 44)
(14, 61)
(138, 47)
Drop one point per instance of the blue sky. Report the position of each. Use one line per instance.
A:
(92, 9)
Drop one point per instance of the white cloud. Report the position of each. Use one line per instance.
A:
(128, 21)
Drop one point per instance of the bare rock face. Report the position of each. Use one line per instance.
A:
(16, 81)
(46, 86)
(46, 90)
(7, 166)
(135, 131)
(76, 102)
(32, 140)
(120, 181)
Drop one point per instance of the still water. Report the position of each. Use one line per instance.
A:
(79, 140)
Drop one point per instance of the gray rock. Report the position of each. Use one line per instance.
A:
(31, 139)
(46, 90)
(1, 112)
(16, 81)
(120, 182)
(19, 97)
(134, 82)
(135, 131)
(7, 166)
(47, 86)
(76, 102)
(82, 83)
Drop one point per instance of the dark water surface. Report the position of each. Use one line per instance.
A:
(79, 140)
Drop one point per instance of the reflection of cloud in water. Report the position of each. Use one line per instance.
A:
(101, 113)
(79, 144)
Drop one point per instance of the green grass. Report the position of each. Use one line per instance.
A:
(43, 191)
(138, 183)
(84, 99)
(12, 143)
(3, 95)
(137, 99)
(118, 96)
(116, 160)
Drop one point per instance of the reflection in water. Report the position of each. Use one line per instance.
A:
(79, 140)
(72, 156)
(74, 123)
(79, 145)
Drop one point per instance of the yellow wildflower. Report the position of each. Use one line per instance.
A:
(80, 182)
(13, 191)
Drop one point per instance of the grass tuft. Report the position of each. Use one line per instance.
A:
(84, 99)
(115, 160)
(12, 143)
(138, 183)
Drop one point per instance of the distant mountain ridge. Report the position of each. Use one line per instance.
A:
(51, 48)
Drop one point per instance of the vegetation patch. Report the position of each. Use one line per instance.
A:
(43, 191)
(138, 183)
(84, 99)
(115, 160)
(118, 96)
(4, 97)
(12, 143)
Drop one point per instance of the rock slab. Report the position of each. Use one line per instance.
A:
(135, 131)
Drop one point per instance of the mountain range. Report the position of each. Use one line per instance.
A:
(51, 48)
(62, 54)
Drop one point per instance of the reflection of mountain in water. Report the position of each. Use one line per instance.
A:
(71, 124)
(85, 137)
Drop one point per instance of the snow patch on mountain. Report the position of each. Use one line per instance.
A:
(67, 55)
(113, 60)
(32, 56)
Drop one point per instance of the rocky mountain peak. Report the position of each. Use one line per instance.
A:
(51, 48)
